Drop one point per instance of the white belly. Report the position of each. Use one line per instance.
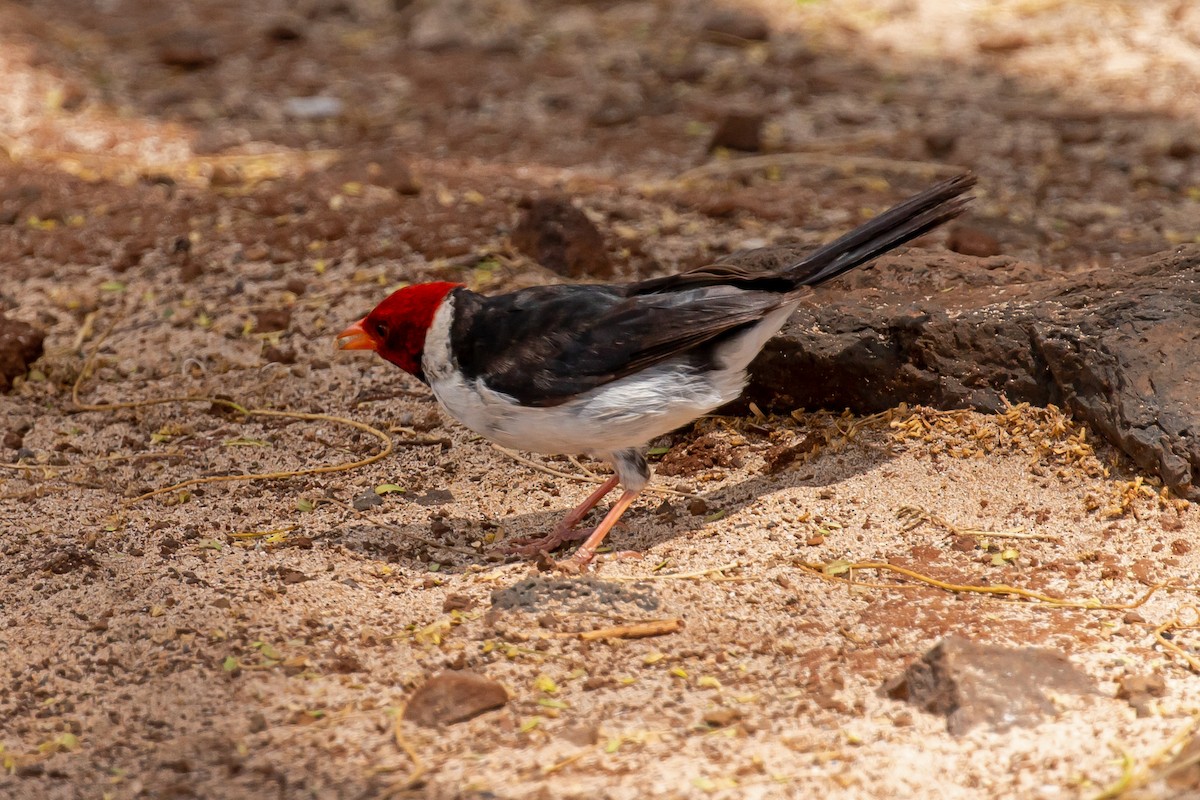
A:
(625, 413)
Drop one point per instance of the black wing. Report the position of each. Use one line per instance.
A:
(546, 344)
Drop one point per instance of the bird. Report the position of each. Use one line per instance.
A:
(602, 369)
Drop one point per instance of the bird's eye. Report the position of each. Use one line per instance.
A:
(381, 328)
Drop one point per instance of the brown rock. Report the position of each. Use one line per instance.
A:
(1140, 690)
(392, 173)
(1183, 147)
(451, 697)
(560, 237)
(972, 684)
(721, 717)
(972, 242)
(1132, 685)
(20, 346)
(940, 144)
(739, 130)
(580, 735)
(272, 319)
(286, 29)
(187, 49)
(279, 355)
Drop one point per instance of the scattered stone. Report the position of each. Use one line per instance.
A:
(394, 174)
(971, 684)
(451, 697)
(69, 560)
(580, 735)
(1183, 147)
(561, 238)
(13, 440)
(272, 319)
(187, 49)
(972, 242)
(721, 717)
(20, 346)
(279, 355)
(1116, 346)
(457, 602)
(739, 130)
(314, 107)
(697, 507)
(367, 500)
(726, 24)
(940, 144)
(286, 29)
(434, 497)
(539, 594)
(1140, 690)
(1004, 42)
(290, 576)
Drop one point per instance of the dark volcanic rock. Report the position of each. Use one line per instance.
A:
(972, 684)
(20, 346)
(1116, 346)
(560, 237)
(739, 130)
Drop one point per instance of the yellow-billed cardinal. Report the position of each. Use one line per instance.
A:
(603, 369)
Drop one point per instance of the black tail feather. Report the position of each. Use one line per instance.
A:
(915, 216)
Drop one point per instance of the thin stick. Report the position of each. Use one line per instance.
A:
(636, 630)
(914, 516)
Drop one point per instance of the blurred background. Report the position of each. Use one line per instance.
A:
(403, 135)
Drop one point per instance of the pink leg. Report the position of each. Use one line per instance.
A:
(587, 550)
(565, 530)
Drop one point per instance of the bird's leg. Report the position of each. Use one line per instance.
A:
(634, 473)
(565, 530)
(587, 550)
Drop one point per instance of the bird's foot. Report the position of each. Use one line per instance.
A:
(582, 558)
(533, 545)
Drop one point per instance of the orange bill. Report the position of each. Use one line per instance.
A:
(355, 338)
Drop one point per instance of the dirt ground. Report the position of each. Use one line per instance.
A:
(184, 219)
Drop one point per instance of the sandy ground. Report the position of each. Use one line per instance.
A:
(179, 236)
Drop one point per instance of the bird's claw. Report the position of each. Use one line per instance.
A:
(582, 559)
(533, 545)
